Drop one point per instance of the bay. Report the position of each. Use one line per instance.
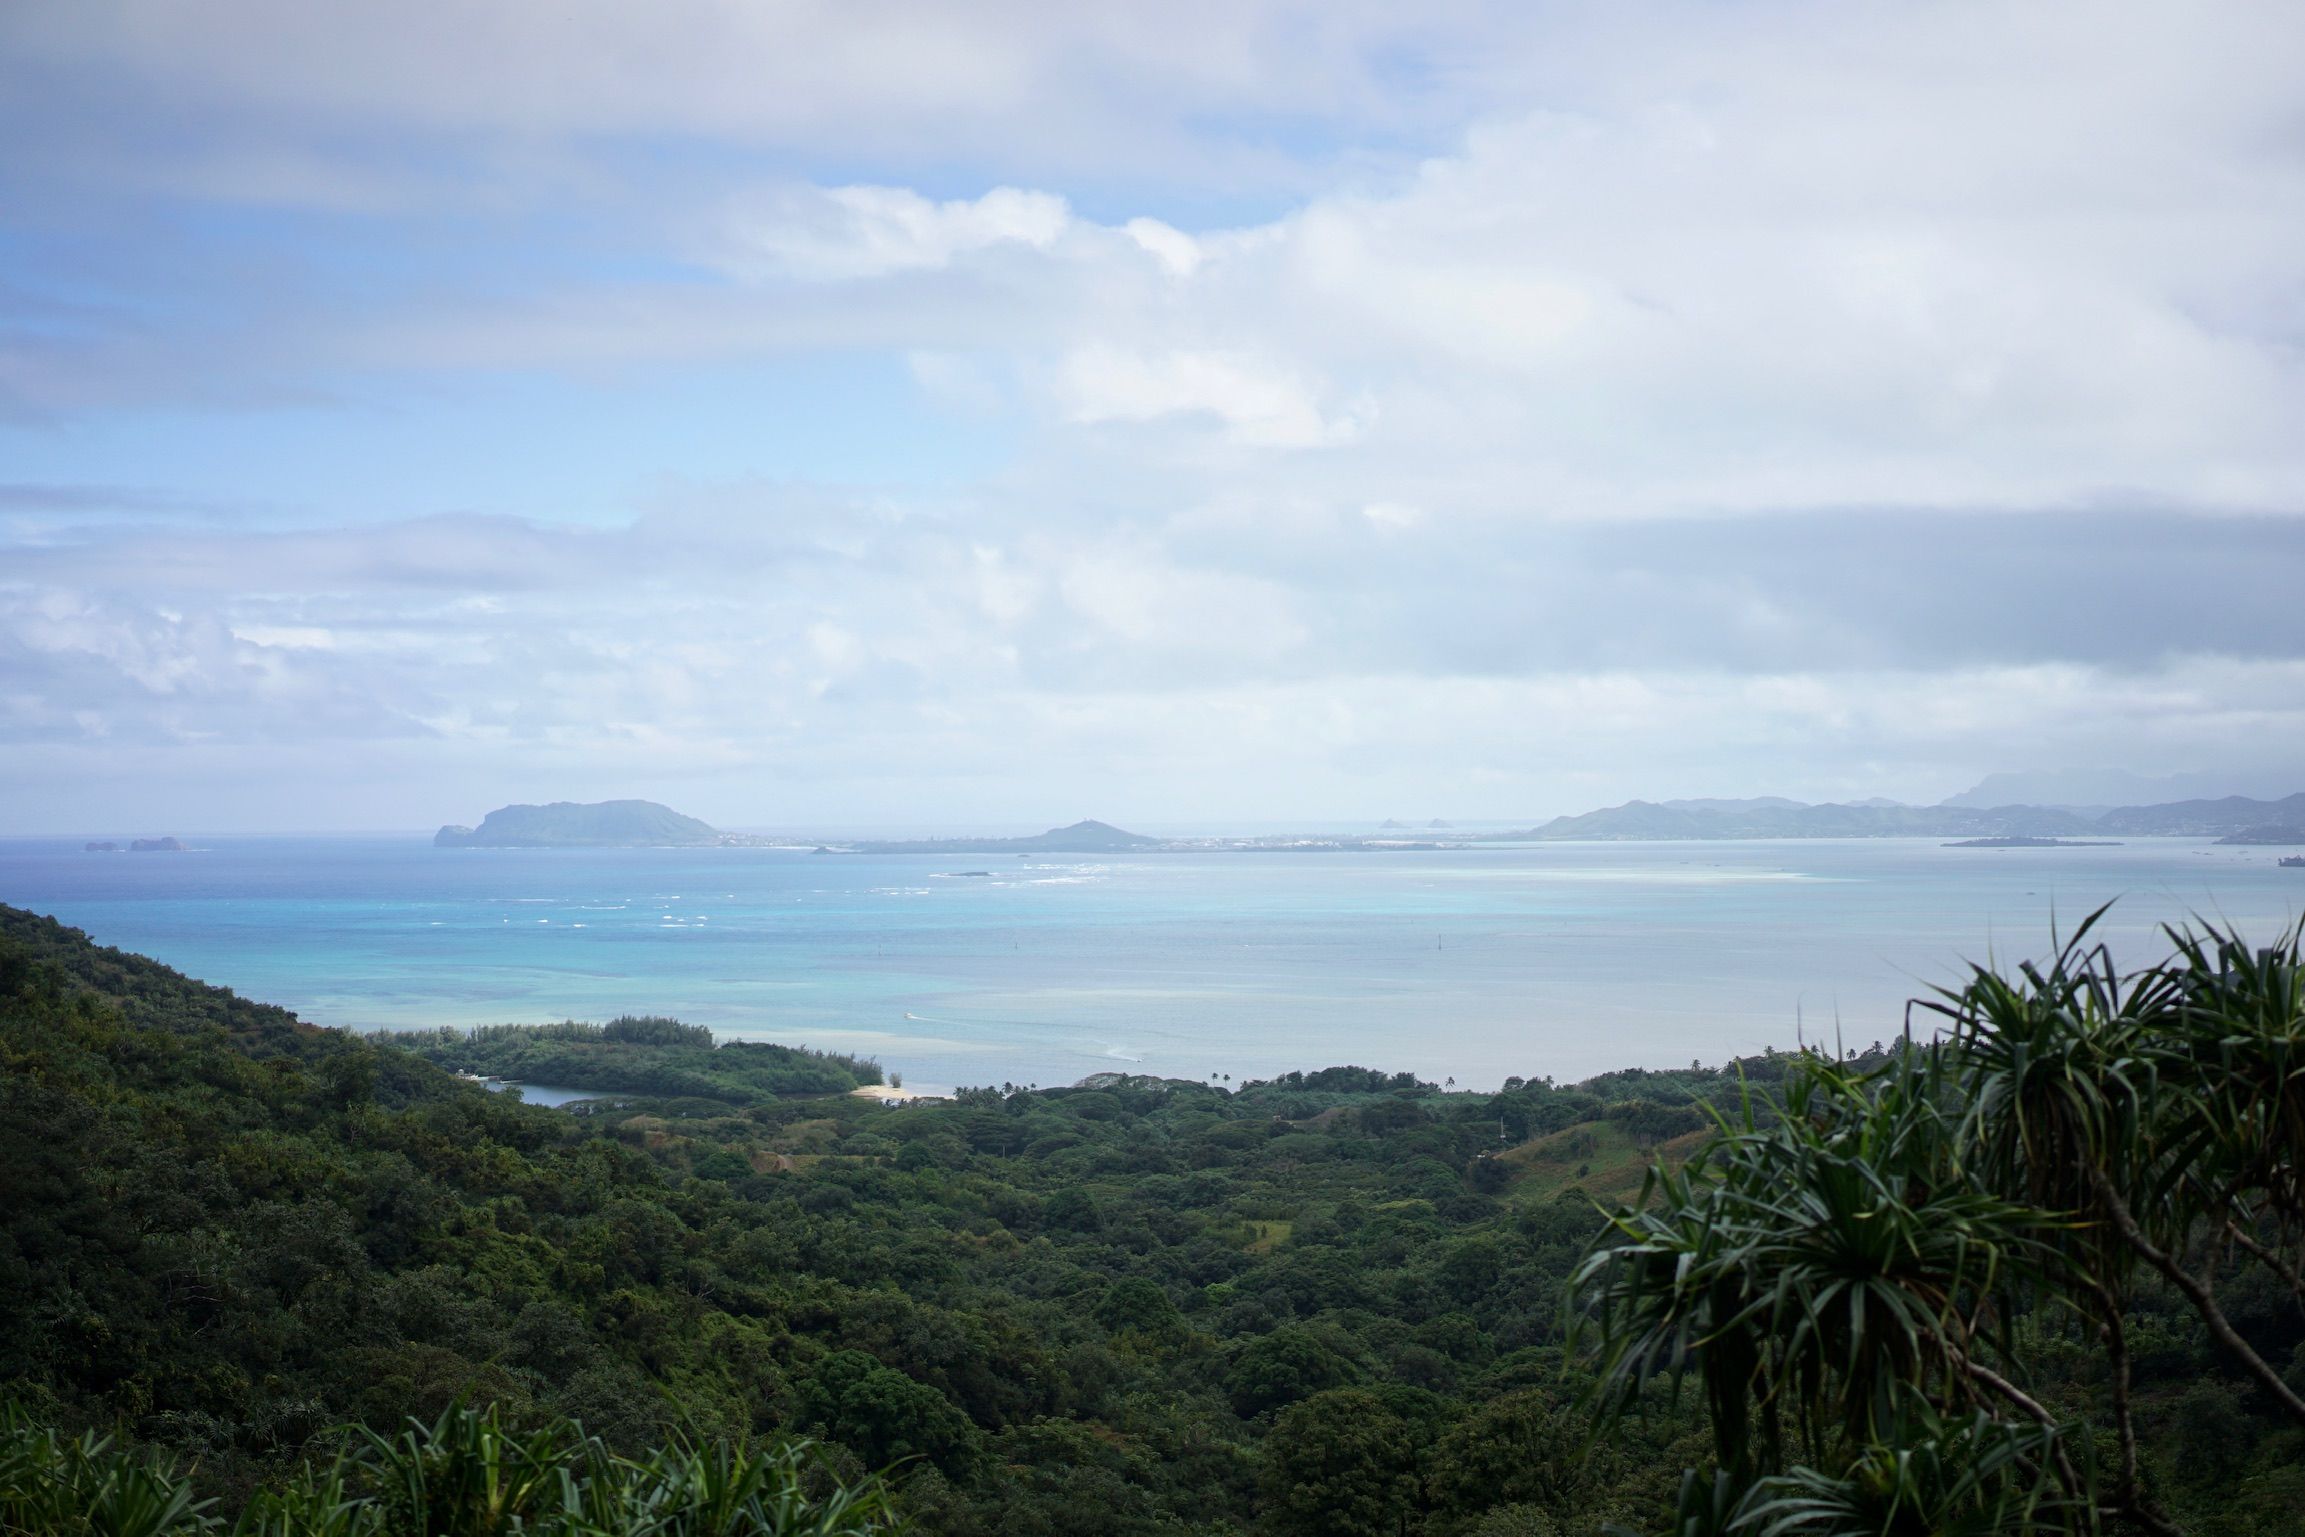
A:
(1556, 960)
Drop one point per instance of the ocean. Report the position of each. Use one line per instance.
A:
(1558, 960)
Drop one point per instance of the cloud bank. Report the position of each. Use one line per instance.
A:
(823, 414)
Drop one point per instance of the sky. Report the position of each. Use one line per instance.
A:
(820, 413)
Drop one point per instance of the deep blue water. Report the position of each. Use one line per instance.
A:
(1558, 959)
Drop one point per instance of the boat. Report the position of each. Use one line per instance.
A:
(2293, 861)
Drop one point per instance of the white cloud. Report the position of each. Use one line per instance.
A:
(1258, 404)
(1171, 247)
(846, 233)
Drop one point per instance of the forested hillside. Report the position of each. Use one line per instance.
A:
(1333, 1303)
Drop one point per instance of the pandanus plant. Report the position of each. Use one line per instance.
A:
(2229, 1181)
(1976, 1476)
(2164, 1110)
(1843, 1274)
(468, 1474)
(1815, 1269)
(88, 1484)
(2058, 1083)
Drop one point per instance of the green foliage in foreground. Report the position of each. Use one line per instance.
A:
(1870, 1283)
(465, 1475)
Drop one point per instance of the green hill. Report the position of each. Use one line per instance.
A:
(1599, 1160)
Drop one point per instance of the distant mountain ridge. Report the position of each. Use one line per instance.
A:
(571, 825)
(1773, 817)
(645, 824)
(2093, 791)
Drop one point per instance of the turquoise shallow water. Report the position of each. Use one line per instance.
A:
(1561, 959)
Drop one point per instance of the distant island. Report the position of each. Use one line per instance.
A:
(2235, 817)
(1079, 838)
(2205, 818)
(2262, 837)
(569, 825)
(2036, 843)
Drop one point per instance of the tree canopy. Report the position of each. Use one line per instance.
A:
(1143, 1308)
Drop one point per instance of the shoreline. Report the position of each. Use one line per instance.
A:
(882, 1093)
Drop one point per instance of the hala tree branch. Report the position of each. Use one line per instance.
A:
(2271, 1257)
(2124, 1424)
(2116, 1336)
(1978, 1371)
(2125, 1222)
(2128, 1501)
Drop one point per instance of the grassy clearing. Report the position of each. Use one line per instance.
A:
(1596, 1157)
(816, 1136)
(1266, 1236)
